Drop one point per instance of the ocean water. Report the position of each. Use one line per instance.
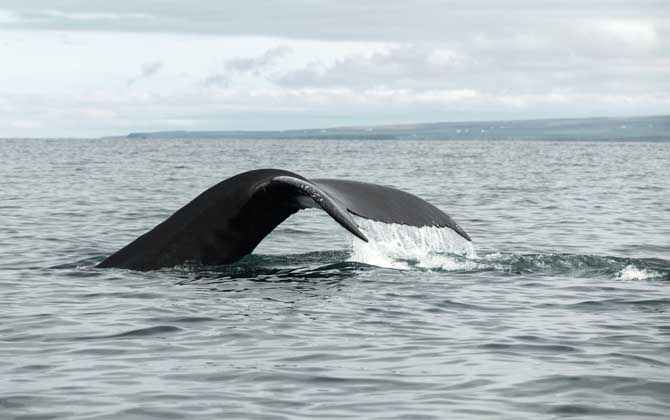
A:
(559, 309)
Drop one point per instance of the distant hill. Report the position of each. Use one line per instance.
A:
(656, 128)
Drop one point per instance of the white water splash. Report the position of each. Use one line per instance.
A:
(400, 246)
(630, 272)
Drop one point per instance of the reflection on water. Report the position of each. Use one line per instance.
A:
(315, 266)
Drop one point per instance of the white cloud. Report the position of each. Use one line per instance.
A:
(90, 17)
(29, 124)
(7, 16)
(93, 67)
(624, 33)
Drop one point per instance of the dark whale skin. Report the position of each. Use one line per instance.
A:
(227, 221)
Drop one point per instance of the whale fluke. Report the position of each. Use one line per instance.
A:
(227, 221)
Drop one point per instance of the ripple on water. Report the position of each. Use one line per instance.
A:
(562, 311)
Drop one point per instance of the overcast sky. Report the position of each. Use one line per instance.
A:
(101, 67)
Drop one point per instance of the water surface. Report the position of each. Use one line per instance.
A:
(561, 310)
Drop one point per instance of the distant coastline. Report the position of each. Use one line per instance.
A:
(648, 128)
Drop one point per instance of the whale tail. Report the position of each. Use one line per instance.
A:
(228, 221)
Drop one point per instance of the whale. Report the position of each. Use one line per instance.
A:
(227, 221)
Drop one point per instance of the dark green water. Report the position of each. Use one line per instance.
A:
(562, 310)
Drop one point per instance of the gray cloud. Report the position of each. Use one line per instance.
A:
(217, 80)
(148, 70)
(521, 45)
(255, 66)
(509, 67)
(384, 20)
(428, 60)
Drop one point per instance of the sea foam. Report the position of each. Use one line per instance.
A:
(630, 272)
(399, 246)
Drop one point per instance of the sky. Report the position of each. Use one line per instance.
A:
(88, 68)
